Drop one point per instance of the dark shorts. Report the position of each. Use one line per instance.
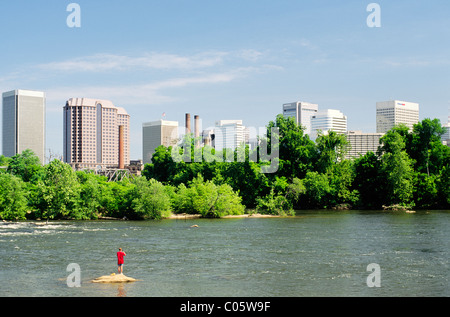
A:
(120, 264)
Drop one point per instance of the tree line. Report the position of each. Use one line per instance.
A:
(409, 169)
(29, 190)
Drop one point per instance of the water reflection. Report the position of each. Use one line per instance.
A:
(121, 291)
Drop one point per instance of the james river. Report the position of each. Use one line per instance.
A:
(317, 253)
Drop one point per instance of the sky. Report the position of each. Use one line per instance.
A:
(224, 60)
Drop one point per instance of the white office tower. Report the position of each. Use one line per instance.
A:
(328, 120)
(24, 123)
(302, 112)
(229, 134)
(395, 112)
(360, 143)
(158, 133)
(446, 136)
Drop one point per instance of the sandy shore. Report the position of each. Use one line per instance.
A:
(188, 216)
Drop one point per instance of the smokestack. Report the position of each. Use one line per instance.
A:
(197, 126)
(121, 149)
(188, 123)
(197, 130)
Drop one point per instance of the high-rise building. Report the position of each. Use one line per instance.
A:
(302, 112)
(96, 133)
(446, 136)
(229, 134)
(395, 112)
(158, 133)
(360, 143)
(24, 123)
(328, 120)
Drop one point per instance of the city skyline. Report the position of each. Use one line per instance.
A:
(231, 60)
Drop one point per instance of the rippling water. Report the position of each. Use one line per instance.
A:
(314, 254)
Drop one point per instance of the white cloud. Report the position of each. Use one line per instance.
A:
(407, 63)
(149, 93)
(153, 60)
(250, 55)
(107, 62)
(207, 68)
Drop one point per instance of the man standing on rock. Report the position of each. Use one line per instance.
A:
(120, 261)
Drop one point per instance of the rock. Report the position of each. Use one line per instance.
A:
(113, 278)
(396, 208)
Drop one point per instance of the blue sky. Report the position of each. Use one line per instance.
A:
(227, 59)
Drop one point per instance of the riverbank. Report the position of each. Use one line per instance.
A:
(197, 216)
(185, 216)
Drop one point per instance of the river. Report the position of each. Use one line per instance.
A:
(316, 253)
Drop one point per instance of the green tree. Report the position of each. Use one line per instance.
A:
(397, 170)
(401, 131)
(297, 152)
(332, 148)
(443, 186)
(341, 176)
(204, 195)
(58, 192)
(162, 168)
(150, 200)
(246, 179)
(25, 165)
(116, 198)
(4, 161)
(368, 181)
(90, 195)
(427, 149)
(228, 202)
(294, 192)
(274, 204)
(208, 199)
(425, 190)
(317, 190)
(13, 203)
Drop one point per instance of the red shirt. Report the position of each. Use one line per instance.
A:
(120, 256)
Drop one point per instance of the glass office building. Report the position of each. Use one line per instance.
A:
(24, 122)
